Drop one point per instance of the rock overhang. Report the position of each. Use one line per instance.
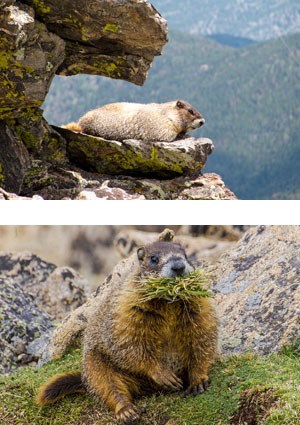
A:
(116, 39)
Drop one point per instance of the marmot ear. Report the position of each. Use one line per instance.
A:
(179, 104)
(166, 235)
(141, 253)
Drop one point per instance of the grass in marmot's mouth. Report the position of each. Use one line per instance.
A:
(185, 288)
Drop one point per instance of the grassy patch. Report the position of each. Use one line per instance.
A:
(268, 385)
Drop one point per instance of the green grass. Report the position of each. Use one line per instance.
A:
(192, 286)
(230, 379)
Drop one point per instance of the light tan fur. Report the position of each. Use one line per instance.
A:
(150, 122)
(73, 126)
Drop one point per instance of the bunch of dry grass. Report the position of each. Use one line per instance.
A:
(183, 288)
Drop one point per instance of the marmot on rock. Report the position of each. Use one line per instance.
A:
(162, 122)
(133, 348)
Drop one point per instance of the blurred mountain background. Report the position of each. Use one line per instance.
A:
(239, 63)
(256, 19)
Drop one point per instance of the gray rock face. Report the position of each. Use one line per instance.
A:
(57, 289)
(21, 323)
(14, 159)
(33, 294)
(257, 288)
(30, 56)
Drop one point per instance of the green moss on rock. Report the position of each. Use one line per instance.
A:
(111, 27)
(37, 175)
(31, 142)
(109, 69)
(159, 163)
(56, 152)
(5, 58)
(40, 7)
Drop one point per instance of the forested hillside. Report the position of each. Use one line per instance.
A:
(257, 19)
(231, 40)
(249, 98)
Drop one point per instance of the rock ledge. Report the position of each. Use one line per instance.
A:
(136, 157)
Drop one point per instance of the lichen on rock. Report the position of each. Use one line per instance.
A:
(137, 157)
(29, 58)
(21, 323)
(257, 290)
(34, 295)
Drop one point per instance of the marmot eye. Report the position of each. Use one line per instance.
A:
(191, 111)
(154, 259)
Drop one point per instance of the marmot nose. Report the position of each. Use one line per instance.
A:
(201, 122)
(178, 267)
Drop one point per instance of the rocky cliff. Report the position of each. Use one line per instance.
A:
(115, 39)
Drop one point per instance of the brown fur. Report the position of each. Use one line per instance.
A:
(59, 386)
(133, 348)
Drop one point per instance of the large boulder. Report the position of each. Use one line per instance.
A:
(29, 57)
(257, 287)
(34, 295)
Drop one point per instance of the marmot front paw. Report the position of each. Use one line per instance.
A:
(196, 389)
(127, 415)
(167, 379)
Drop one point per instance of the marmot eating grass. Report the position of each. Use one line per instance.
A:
(161, 122)
(136, 343)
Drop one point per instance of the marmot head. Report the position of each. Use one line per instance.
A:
(189, 115)
(166, 259)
